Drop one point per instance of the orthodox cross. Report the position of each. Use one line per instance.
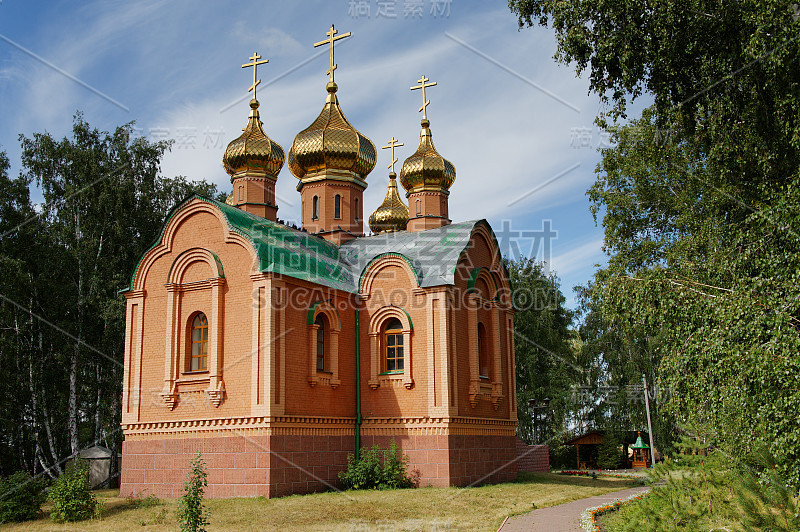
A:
(393, 143)
(255, 62)
(330, 40)
(422, 85)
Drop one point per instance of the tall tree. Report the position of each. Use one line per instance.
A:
(61, 320)
(699, 199)
(545, 362)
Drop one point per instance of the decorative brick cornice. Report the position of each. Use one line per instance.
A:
(280, 425)
(319, 426)
(135, 294)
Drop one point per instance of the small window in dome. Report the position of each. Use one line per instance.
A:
(337, 207)
(315, 208)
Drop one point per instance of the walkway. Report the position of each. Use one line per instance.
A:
(564, 517)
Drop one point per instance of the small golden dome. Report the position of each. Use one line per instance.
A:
(253, 152)
(392, 215)
(229, 200)
(426, 169)
(331, 143)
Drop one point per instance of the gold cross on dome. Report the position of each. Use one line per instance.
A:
(330, 40)
(422, 85)
(255, 62)
(393, 143)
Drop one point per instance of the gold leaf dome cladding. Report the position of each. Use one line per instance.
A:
(392, 215)
(331, 143)
(253, 151)
(426, 169)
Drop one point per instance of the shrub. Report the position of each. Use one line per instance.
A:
(21, 497)
(377, 469)
(192, 514)
(139, 501)
(72, 496)
(562, 456)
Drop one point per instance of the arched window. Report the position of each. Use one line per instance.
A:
(355, 209)
(419, 207)
(320, 323)
(393, 345)
(315, 208)
(483, 352)
(199, 361)
(337, 207)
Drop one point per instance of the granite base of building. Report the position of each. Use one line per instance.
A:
(276, 466)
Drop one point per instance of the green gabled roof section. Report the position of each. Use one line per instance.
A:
(433, 255)
(288, 251)
(280, 249)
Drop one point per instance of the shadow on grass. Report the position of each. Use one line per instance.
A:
(525, 477)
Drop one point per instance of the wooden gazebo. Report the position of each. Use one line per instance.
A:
(641, 453)
(587, 447)
(590, 443)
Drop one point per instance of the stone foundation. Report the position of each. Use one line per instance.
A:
(275, 466)
(238, 466)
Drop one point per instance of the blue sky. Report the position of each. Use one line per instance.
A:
(517, 126)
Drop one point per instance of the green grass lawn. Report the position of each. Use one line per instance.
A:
(481, 508)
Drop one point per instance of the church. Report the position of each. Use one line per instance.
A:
(276, 351)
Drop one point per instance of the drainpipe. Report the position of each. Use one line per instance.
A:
(358, 386)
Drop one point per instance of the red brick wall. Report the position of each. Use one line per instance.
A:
(237, 466)
(275, 466)
(278, 465)
(534, 458)
(455, 460)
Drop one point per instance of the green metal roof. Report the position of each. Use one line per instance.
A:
(432, 254)
(640, 444)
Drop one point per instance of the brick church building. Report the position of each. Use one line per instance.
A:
(277, 351)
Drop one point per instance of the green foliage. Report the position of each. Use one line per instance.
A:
(562, 456)
(137, 501)
(21, 497)
(377, 468)
(192, 514)
(72, 496)
(766, 502)
(63, 262)
(706, 489)
(609, 454)
(699, 200)
(545, 364)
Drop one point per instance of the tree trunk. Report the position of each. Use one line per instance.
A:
(72, 414)
(50, 440)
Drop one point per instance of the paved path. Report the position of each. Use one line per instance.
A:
(564, 517)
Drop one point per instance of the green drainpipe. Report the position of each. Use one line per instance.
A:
(358, 387)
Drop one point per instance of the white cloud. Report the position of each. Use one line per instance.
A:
(581, 257)
(271, 42)
(176, 64)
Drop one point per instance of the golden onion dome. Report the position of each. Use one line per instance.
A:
(426, 169)
(392, 215)
(331, 143)
(253, 152)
